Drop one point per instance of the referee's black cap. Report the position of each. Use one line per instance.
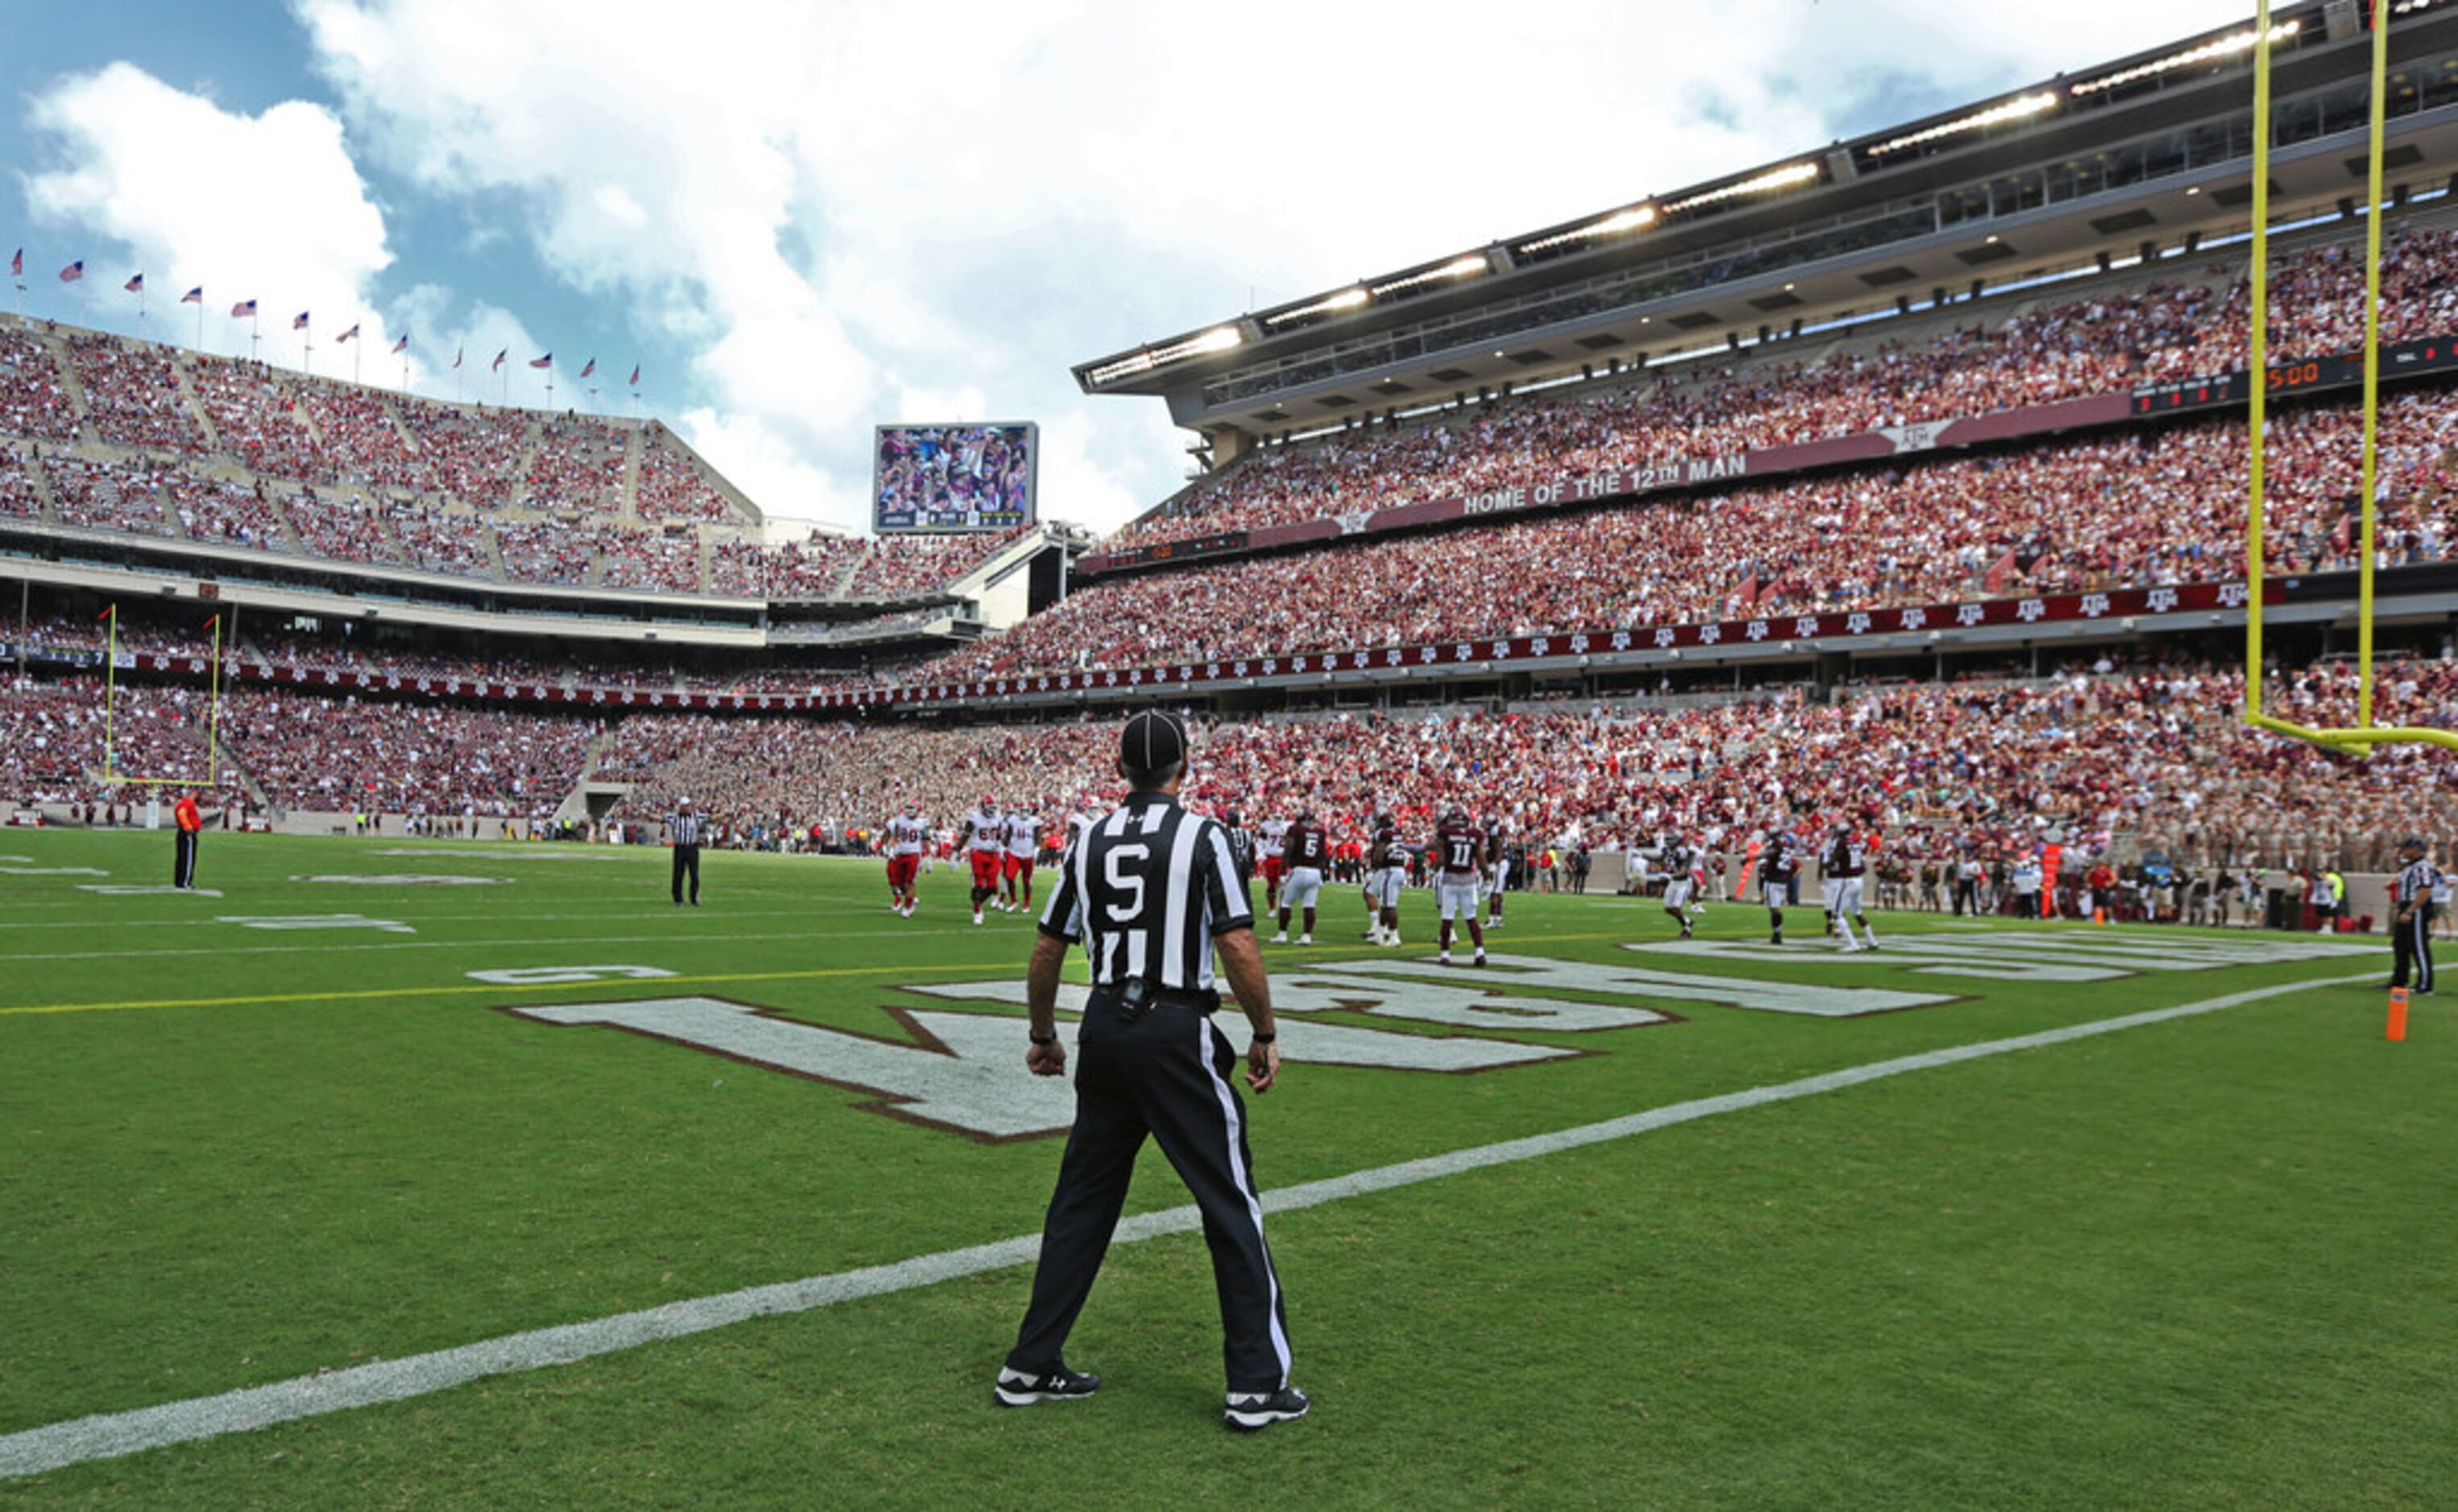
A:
(2413, 842)
(1153, 741)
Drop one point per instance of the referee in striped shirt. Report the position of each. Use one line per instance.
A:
(2411, 930)
(683, 827)
(1151, 891)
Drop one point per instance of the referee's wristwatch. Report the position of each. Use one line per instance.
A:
(1045, 1039)
(1265, 1039)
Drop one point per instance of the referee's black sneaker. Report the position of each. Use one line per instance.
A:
(1251, 1410)
(1016, 1389)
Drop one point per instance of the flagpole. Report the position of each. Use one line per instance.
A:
(200, 322)
(355, 346)
(252, 329)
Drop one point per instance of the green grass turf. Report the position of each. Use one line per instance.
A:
(2194, 1264)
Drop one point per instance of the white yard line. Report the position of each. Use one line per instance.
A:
(109, 1435)
(475, 946)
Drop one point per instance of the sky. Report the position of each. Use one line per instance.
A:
(801, 218)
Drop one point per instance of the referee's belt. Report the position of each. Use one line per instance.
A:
(1139, 996)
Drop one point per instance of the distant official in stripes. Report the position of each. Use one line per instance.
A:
(1151, 891)
(2410, 930)
(683, 828)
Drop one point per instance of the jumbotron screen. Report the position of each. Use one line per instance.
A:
(955, 477)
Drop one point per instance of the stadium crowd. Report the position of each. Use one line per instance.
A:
(2150, 756)
(2128, 509)
(2153, 753)
(2053, 349)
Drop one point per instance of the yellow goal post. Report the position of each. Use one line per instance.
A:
(2360, 738)
(112, 775)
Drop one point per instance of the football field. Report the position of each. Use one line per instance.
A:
(420, 1174)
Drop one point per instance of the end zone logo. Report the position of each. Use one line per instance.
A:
(962, 1072)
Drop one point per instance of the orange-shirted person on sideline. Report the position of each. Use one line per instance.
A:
(188, 821)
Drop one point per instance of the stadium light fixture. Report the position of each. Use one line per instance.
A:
(1331, 305)
(1783, 178)
(2209, 52)
(1611, 225)
(1461, 267)
(1219, 338)
(2020, 108)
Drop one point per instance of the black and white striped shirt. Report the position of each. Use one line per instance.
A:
(2415, 883)
(685, 828)
(1145, 890)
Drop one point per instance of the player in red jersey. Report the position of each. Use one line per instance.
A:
(987, 844)
(906, 839)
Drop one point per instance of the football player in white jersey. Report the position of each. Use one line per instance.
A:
(908, 836)
(1022, 848)
(987, 843)
(1271, 848)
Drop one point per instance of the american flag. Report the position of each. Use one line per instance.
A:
(243, 310)
(456, 357)
(17, 264)
(350, 335)
(636, 377)
(300, 323)
(194, 296)
(74, 272)
(589, 367)
(548, 360)
(401, 346)
(499, 359)
(135, 283)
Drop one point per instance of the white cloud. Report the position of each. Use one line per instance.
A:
(838, 212)
(841, 209)
(267, 207)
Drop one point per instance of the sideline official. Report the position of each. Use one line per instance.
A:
(2411, 930)
(189, 823)
(1151, 891)
(682, 827)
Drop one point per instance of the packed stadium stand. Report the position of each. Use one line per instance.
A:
(1951, 521)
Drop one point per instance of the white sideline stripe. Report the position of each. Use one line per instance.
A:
(107, 1435)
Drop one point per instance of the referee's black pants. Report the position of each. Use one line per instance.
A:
(2412, 945)
(183, 859)
(1165, 1074)
(686, 860)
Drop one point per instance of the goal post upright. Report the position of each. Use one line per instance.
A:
(2364, 735)
(112, 775)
